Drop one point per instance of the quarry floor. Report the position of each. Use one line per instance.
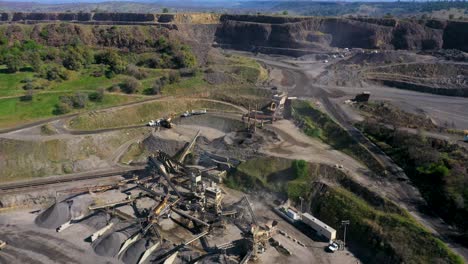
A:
(17, 221)
(28, 243)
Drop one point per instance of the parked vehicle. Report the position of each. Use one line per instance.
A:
(153, 123)
(332, 247)
(199, 112)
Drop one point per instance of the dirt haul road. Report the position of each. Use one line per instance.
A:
(400, 192)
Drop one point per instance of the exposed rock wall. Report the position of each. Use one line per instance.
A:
(198, 18)
(244, 31)
(269, 32)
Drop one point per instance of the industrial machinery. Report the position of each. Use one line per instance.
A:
(2, 244)
(161, 122)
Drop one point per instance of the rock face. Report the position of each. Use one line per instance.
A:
(246, 32)
(290, 35)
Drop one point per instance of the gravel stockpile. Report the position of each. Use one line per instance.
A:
(79, 207)
(133, 254)
(110, 245)
(54, 216)
(154, 143)
(96, 221)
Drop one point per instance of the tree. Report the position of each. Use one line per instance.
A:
(35, 61)
(285, 13)
(113, 60)
(72, 60)
(13, 63)
(130, 85)
(165, 10)
(301, 169)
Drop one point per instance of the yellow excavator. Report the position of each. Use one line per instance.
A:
(157, 211)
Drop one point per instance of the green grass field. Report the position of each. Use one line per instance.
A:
(14, 112)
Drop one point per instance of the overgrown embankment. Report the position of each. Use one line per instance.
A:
(24, 159)
(142, 113)
(380, 231)
(437, 167)
(317, 124)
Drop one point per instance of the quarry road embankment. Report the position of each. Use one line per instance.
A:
(13, 186)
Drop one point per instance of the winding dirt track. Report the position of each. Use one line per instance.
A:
(401, 192)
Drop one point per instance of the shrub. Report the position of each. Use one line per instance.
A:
(174, 77)
(54, 73)
(28, 86)
(61, 108)
(97, 96)
(301, 170)
(79, 100)
(154, 89)
(136, 72)
(114, 88)
(130, 85)
(27, 97)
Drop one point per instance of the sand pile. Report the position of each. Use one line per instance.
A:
(54, 216)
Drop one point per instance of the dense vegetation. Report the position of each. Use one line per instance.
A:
(61, 68)
(438, 168)
(377, 225)
(386, 237)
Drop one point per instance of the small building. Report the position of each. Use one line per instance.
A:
(320, 227)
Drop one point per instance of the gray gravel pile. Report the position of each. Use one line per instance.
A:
(133, 254)
(96, 221)
(110, 245)
(79, 207)
(154, 143)
(54, 216)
